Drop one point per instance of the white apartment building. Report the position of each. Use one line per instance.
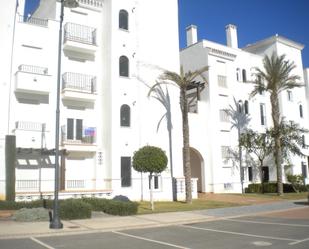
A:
(230, 70)
(112, 52)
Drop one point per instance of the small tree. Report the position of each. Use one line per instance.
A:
(150, 159)
(258, 144)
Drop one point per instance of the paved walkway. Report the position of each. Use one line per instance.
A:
(99, 223)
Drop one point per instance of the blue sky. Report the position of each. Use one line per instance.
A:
(255, 20)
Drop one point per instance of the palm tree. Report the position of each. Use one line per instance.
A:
(183, 80)
(164, 98)
(240, 120)
(275, 78)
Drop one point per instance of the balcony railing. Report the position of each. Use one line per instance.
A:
(29, 126)
(87, 136)
(79, 82)
(93, 3)
(33, 69)
(80, 33)
(33, 21)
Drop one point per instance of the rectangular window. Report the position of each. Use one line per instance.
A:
(263, 114)
(265, 172)
(225, 152)
(250, 175)
(290, 95)
(224, 117)
(155, 182)
(125, 171)
(304, 170)
(70, 128)
(74, 129)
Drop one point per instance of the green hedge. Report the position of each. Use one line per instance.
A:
(77, 208)
(71, 209)
(271, 187)
(112, 207)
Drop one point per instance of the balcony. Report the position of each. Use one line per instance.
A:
(79, 41)
(32, 80)
(80, 87)
(85, 141)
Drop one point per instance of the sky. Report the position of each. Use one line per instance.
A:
(255, 20)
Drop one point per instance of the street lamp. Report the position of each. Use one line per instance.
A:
(56, 223)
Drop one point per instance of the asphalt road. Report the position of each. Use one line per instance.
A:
(281, 229)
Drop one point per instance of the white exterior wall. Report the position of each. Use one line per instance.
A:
(208, 133)
(146, 55)
(96, 168)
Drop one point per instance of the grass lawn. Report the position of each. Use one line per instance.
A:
(204, 203)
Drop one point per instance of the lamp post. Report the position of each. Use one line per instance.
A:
(56, 223)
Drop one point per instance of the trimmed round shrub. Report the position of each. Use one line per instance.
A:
(72, 209)
(121, 198)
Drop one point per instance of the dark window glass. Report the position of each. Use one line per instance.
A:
(125, 116)
(124, 66)
(265, 172)
(123, 19)
(125, 171)
(250, 176)
(246, 107)
(70, 128)
(79, 129)
(303, 141)
(244, 75)
(304, 170)
(262, 114)
(301, 111)
(155, 182)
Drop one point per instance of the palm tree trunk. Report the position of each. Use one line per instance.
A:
(186, 144)
(277, 151)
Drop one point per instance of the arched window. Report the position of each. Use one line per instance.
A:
(244, 75)
(246, 106)
(124, 66)
(238, 74)
(301, 114)
(125, 116)
(123, 19)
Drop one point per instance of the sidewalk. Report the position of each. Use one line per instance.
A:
(102, 222)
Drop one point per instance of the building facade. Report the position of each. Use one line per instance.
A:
(231, 69)
(112, 52)
(110, 57)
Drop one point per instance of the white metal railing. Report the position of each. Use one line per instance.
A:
(79, 82)
(93, 3)
(80, 33)
(33, 21)
(75, 184)
(29, 126)
(27, 184)
(33, 69)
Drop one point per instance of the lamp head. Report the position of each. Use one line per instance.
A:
(71, 3)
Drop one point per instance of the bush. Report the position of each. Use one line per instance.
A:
(121, 208)
(97, 204)
(12, 205)
(31, 214)
(71, 209)
(271, 187)
(112, 207)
